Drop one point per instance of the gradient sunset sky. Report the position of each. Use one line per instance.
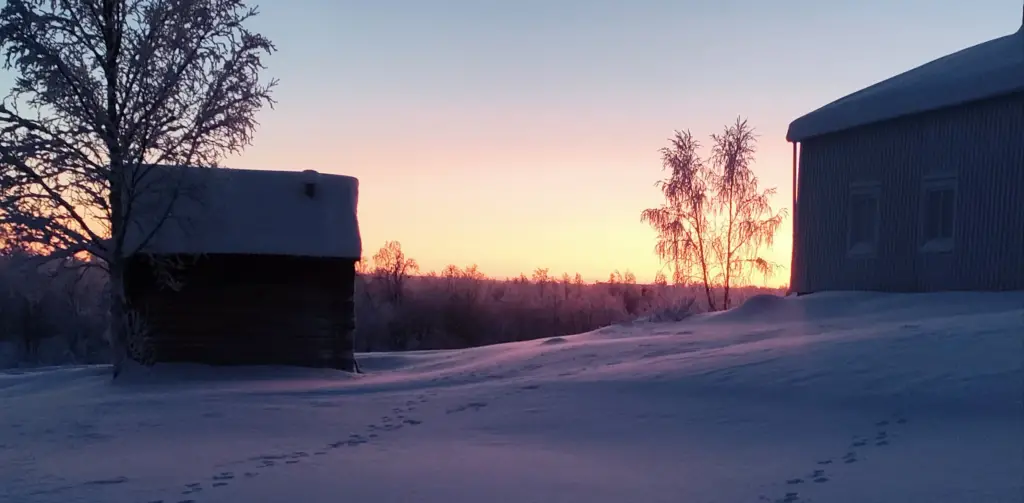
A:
(518, 134)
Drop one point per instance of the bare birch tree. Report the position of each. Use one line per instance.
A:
(715, 220)
(106, 91)
(684, 221)
(392, 268)
(747, 221)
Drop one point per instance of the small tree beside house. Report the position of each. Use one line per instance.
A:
(106, 91)
(715, 220)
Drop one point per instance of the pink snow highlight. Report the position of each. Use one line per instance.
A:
(845, 397)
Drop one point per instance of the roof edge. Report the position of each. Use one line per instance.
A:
(915, 102)
(893, 98)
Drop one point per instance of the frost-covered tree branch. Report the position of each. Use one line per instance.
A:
(715, 220)
(107, 93)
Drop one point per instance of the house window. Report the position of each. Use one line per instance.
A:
(863, 219)
(938, 214)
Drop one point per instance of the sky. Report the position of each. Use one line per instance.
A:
(519, 134)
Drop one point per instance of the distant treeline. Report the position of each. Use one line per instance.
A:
(59, 315)
(398, 309)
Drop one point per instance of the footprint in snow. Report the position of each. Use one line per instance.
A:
(107, 482)
(270, 457)
(269, 460)
(469, 406)
(352, 442)
(192, 488)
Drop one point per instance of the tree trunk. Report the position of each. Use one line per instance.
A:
(118, 316)
(707, 287)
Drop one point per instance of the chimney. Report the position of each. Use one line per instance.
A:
(309, 184)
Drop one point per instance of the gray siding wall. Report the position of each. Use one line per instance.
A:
(981, 143)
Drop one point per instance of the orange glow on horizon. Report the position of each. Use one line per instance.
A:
(516, 199)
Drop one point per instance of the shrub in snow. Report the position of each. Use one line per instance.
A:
(678, 311)
(462, 308)
(50, 316)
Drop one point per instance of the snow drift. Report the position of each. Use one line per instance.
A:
(830, 397)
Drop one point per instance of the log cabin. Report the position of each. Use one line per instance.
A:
(243, 267)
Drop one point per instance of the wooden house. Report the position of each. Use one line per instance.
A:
(916, 183)
(244, 267)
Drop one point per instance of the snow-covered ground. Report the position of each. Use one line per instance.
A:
(828, 398)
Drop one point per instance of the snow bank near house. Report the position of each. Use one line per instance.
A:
(889, 397)
(948, 350)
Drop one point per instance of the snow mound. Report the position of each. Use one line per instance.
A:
(554, 341)
(761, 308)
(169, 374)
(825, 395)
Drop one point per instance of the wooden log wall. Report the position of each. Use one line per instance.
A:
(249, 310)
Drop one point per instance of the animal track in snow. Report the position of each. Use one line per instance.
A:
(192, 488)
(468, 406)
(107, 482)
(882, 437)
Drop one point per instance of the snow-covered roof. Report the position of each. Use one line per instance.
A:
(220, 210)
(982, 71)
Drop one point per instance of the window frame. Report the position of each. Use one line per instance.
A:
(937, 183)
(863, 249)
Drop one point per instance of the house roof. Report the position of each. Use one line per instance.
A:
(982, 71)
(220, 210)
